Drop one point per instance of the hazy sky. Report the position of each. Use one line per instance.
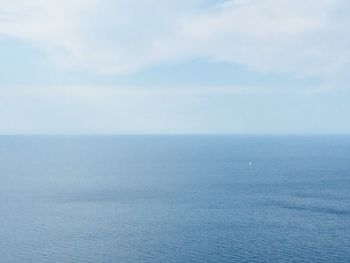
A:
(161, 66)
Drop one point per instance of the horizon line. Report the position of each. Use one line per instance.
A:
(174, 134)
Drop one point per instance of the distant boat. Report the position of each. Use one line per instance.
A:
(250, 163)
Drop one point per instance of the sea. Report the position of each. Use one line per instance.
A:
(176, 199)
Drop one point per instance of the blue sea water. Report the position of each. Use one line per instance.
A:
(174, 199)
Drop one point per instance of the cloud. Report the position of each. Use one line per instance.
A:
(302, 37)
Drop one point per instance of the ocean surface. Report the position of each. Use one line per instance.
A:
(174, 199)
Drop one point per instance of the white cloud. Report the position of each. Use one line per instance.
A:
(115, 37)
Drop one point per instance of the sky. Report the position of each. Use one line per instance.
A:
(174, 67)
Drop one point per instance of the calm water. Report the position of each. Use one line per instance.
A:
(174, 199)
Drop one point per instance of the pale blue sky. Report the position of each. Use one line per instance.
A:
(235, 66)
